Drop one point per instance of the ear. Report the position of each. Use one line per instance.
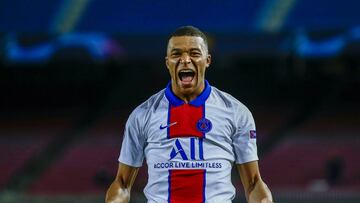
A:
(208, 60)
(167, 62)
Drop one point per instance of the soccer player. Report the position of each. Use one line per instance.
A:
(190, 134)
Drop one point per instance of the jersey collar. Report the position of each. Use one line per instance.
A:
(198, 101)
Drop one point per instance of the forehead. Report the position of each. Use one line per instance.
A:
(186, 42)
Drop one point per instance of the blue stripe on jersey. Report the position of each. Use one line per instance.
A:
(168, 121)
(201, 156)
(203, 108)
(169, 189)
(192, 147)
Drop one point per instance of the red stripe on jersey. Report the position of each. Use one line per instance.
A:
(186, 117)
(187, 186)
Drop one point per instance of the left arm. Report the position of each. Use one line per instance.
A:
(256, 190)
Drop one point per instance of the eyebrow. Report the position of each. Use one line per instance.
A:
(175, 50)
(178, 50)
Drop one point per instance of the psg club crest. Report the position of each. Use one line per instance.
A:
(204, 125)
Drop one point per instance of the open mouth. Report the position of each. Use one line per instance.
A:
(186, 75)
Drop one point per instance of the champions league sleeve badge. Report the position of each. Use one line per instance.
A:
(252, 134)
(204, 125)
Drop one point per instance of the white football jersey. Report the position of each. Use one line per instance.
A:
(190, 148)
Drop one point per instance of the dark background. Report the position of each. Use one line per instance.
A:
(72, 71)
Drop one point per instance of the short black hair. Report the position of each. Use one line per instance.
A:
(189, 31)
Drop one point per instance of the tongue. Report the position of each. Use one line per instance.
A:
(186, 78)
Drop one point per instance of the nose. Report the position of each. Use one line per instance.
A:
(185, 59)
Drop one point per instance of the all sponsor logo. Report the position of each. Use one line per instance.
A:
(191, 157)
(196, 150)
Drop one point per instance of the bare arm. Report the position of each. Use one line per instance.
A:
(119, 190)
(256, 190)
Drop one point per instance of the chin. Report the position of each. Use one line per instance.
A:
(187, 90)
(187, 87)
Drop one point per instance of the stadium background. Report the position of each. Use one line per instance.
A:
(71, 71)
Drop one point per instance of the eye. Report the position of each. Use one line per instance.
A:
(195, 54)
(175, 54)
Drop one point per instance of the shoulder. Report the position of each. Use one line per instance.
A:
(227, 100)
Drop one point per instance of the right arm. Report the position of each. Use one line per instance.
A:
(119, 190)
(130, 159)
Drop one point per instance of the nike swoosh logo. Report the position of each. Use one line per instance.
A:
(167, 126)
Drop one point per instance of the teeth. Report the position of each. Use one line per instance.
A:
(186, 71)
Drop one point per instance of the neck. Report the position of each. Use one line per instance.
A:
(185, 95)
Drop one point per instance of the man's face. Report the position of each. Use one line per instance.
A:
(187, 59)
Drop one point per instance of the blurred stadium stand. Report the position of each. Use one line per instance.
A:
(71, 71)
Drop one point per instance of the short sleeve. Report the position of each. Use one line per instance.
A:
(244, 139)
(132, 149)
